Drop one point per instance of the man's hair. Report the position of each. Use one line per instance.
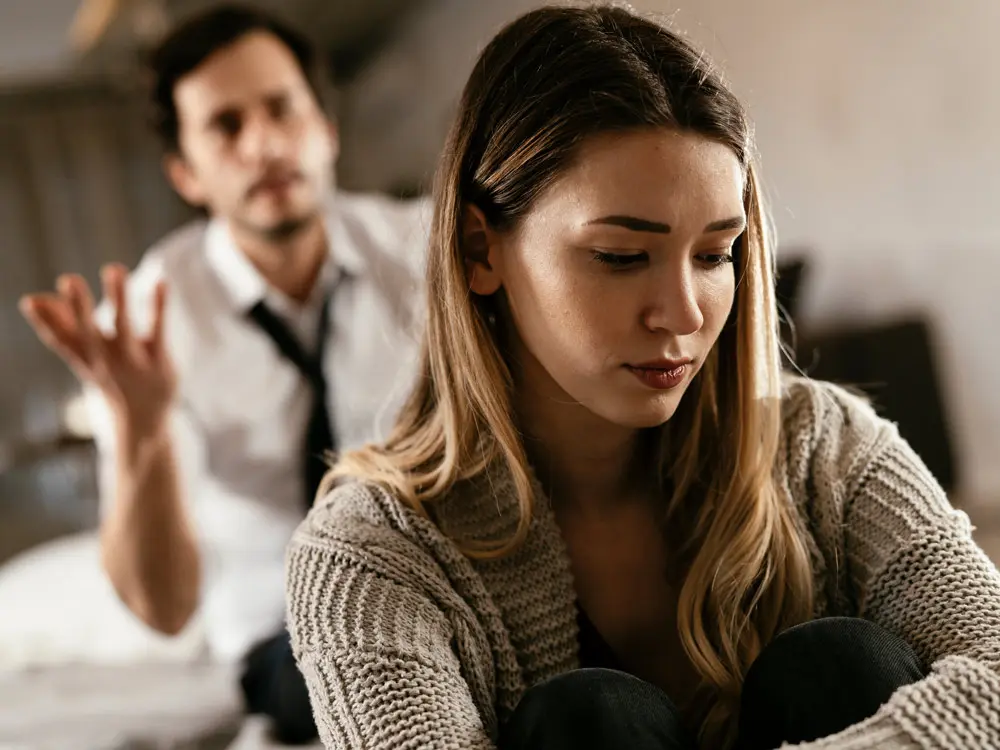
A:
(192, 42)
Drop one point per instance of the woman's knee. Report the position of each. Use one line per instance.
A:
(822, 676)
(595, 708)
(583, 696)
(834, 650)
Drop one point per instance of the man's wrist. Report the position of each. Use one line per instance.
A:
(139, 440)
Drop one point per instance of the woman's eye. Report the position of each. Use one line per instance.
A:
(716, 259)
(619, 260)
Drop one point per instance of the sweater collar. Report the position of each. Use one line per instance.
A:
(535, 633)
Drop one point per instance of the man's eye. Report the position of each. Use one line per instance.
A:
(229, 124)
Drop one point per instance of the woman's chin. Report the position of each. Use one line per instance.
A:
(645, 421)
(653, 413)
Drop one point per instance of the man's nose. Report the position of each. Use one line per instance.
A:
(262, 140)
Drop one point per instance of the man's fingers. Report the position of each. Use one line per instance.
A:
(54, 323)
(82, 289)
(52, 308)
(113, 278)
(75, 289)
(159, 316)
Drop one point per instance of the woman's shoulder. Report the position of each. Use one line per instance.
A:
(363, 523)
(358, 515)
(363, 540)
(816, 412)
(831, 437)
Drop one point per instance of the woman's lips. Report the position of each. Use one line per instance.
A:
(662, 375)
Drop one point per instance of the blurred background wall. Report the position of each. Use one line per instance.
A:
(875, 123)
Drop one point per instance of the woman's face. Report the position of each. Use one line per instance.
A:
(621, 278)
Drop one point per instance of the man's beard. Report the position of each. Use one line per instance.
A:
(283, 231)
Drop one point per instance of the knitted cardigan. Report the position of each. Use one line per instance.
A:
(406, 643)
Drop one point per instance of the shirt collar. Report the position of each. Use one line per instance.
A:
(243, 283)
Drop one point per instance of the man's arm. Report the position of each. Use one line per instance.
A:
(148, 546)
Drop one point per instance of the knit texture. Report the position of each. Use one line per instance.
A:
(406, 643)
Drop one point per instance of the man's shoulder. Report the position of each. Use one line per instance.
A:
(370, 205)
(178, 259)
(385, 225)
(174, 256)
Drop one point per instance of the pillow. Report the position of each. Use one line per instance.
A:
(60, 608)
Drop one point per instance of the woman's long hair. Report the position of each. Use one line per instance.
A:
(546, 83)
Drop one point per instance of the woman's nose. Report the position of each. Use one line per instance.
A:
(673, 303)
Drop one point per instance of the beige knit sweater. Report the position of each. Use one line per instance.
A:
(405, 643)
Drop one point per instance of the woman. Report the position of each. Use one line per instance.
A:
(602, 466)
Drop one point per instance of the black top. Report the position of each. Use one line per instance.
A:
(594, 650)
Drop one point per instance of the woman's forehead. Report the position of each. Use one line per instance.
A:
(662, 176)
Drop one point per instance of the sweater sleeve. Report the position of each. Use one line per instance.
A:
(915, 570)
(379, 636)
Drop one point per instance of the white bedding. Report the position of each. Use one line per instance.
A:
(138, 707)
(147, 707)
(79, 672)
(58, 607)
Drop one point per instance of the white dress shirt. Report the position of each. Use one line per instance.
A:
(241, 415)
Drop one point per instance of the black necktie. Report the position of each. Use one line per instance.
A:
(319, 434)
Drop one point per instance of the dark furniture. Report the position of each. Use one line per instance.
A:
(893, 362)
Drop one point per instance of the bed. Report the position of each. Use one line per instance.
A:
(77, 672)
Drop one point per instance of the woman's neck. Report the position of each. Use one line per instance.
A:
(583, 461)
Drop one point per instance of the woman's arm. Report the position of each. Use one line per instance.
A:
(915, 570)
(385, 645)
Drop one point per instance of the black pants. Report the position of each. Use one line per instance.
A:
(812, 681)
(272, 685)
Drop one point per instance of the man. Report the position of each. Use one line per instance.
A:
(241, 348)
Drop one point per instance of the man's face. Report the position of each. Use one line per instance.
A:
(255, 147)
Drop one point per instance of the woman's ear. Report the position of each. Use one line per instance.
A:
(481, 248)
